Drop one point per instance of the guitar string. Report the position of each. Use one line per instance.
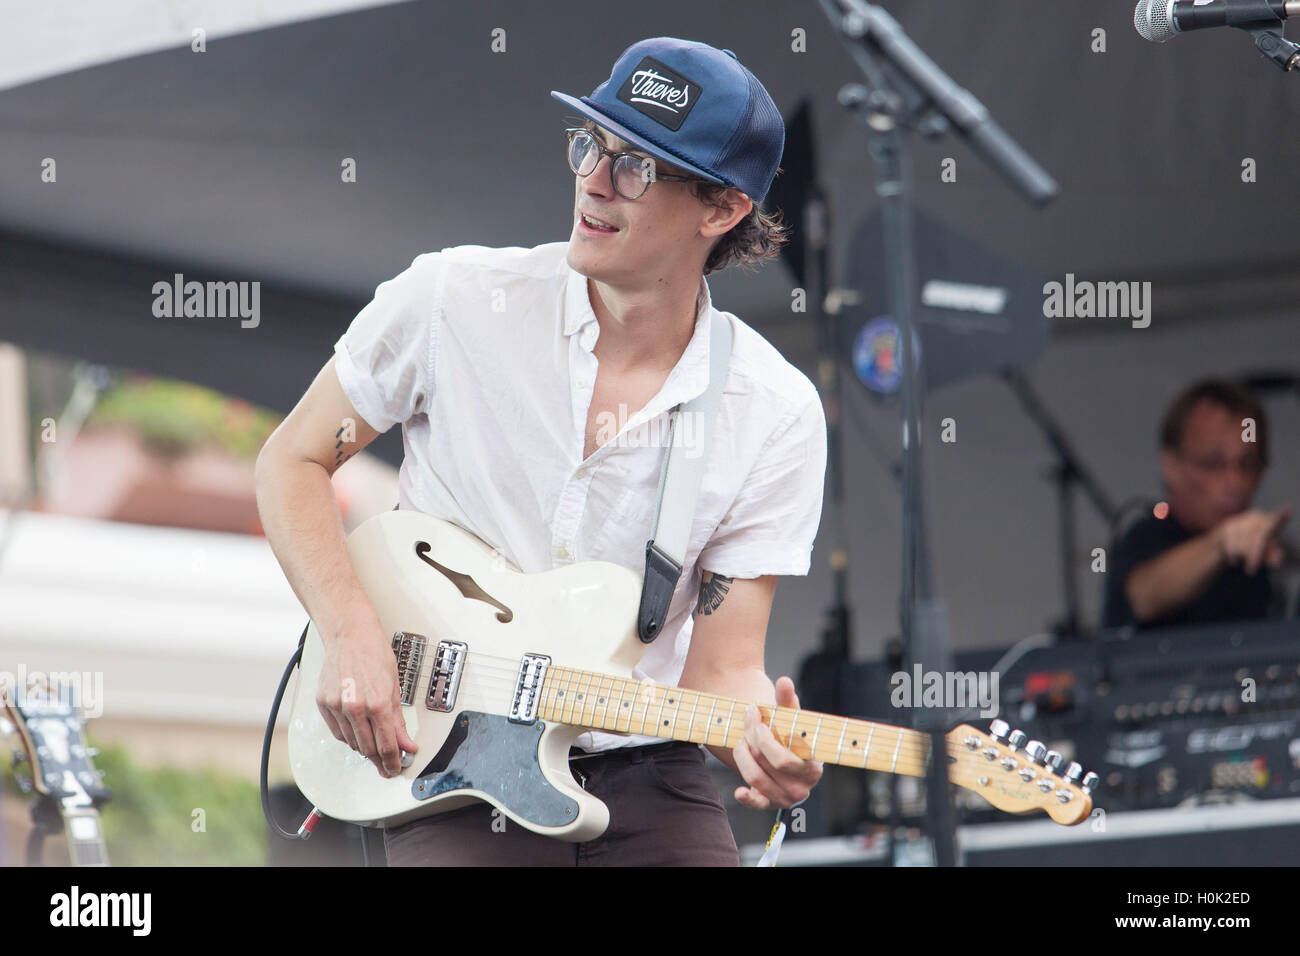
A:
(504, 671)
(592, 681)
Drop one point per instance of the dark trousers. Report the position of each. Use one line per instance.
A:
(663, 811)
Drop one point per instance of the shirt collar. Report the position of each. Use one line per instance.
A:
(690, 376)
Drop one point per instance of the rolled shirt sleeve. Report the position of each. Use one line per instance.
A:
(385, 359)
(771, 526)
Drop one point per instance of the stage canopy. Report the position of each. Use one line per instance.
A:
(225, 164)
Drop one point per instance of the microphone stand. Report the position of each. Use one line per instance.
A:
(1067, 474)
(907, 90)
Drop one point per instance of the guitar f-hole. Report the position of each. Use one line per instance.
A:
(467, 586)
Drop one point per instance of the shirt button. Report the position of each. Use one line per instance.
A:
(564, 553)
(580, 473)
(581, 383)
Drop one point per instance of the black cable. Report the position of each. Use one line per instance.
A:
(266, 741)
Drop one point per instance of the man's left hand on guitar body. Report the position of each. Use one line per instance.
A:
(776, 776)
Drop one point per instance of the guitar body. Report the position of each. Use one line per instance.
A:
(436, 582)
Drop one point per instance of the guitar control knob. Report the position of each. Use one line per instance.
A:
(1017, 739)
(1053, 761)
(1036, 751)
(998, 730)
(1073, 771)
(1089, 782)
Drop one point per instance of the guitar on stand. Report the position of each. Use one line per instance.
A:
(51, 728)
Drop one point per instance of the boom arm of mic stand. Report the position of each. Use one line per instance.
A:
(871, 25)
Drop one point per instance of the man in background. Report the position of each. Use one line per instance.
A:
(1202, 556)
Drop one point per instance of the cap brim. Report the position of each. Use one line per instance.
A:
(631, 136)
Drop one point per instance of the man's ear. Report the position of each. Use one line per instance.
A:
(733, 207)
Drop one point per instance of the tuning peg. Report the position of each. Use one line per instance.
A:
(19, 755)
(1017, 739)
(998, 730)
(1089, 782)
(1073, 771)
(1035, 750)
(1053, 761)
(25, 784)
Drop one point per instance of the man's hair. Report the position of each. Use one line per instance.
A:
(757, 238)
(1232, 396)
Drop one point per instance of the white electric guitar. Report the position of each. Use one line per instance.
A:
(500, 671)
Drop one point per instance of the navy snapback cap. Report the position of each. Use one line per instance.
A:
(693, 106)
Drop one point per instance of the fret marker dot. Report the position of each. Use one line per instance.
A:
(855, 743)
(665, 723)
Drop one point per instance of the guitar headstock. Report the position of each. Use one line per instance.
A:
(49, 722)
(1019, 775)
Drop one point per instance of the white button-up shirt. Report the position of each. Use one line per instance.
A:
(484, 355)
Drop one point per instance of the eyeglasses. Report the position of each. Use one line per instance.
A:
(1248, 466)
(629, 174)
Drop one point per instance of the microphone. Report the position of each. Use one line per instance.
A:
(1161, 20)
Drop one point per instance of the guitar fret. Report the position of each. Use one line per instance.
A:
(839, 747)
(816, 731)
(662, 701)
(866, 749)
(898, 743)
(726, 733)
(708, 724)
(646, 689)
(586, 696)
(690, 725)
(623, 705)
(603, 695)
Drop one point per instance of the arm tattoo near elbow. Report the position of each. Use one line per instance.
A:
(712, 592)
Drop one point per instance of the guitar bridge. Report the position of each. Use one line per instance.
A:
(448, 663)
(409, 649)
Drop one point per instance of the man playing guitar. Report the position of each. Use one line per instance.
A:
(531, 385)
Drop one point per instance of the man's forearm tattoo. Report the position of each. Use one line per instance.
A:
(712, 592)
(340, 456)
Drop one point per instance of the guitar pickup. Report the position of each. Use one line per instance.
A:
(528, 688)
(409, 649)
(448, 664)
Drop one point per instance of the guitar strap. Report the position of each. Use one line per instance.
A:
(679, 489)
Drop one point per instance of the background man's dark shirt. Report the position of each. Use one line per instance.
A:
(1232, 595)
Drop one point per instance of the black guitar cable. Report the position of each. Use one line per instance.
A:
(303, 832)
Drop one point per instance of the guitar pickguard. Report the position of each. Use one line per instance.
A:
(488, 752)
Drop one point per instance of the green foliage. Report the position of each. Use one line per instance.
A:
(174, 417)
(150, 820)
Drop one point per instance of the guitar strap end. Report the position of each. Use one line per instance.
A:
(661, 575)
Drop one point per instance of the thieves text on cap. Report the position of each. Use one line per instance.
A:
(660, 93)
